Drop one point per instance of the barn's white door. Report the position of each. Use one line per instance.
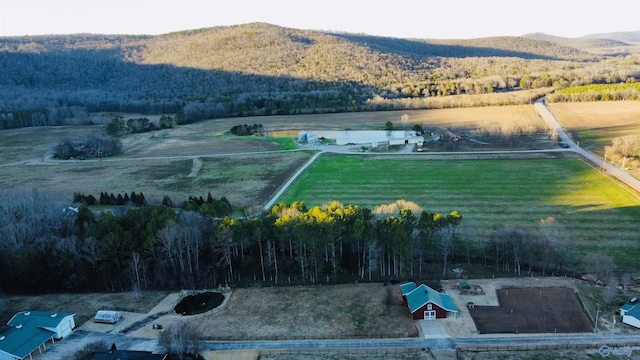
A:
(430, 315)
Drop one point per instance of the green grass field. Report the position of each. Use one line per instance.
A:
(598, 214)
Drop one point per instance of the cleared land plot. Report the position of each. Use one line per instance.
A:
(539, 310)
(311, 312)
(596, 212)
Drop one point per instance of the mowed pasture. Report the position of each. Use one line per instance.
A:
(598, 214)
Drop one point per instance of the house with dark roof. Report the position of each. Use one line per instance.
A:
(28, 331)
(426, 303)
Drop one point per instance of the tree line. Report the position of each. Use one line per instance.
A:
(624, 150)
(44, 249)
(136, 199)
(627, 90)
(94, 146)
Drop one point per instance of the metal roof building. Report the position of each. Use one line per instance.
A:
(28, 331)
(428, 304)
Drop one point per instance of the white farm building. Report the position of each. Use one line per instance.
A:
(28, 331)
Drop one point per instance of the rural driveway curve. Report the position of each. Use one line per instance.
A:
(614, 171)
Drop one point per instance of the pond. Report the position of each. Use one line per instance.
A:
(199, 303)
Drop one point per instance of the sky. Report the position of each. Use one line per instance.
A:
(434, 19)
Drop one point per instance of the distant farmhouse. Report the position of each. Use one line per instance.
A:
(425, 303)
(28, 331)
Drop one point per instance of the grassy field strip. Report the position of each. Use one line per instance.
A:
(596, 212)
(244, 179)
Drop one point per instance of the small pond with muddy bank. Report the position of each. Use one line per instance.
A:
(199, 303)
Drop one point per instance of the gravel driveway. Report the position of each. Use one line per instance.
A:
(65, 348)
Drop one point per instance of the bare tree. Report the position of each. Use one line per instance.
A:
(168, 237)
(193, 232)
(180, 339)
(626, 281)
(552, 235)
(469, 232)
(627, 145)
(135, 272)
(610, 290)
(601, 265)
(88, 350)
(444, 243)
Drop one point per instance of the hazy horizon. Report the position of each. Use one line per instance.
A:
(456, 19)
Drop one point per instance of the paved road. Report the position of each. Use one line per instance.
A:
(435, 344)
(74, 342)
(614, 171)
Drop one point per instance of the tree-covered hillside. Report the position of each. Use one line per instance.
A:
(262, 69)
(583, 43)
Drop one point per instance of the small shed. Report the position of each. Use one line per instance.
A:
(427, 304)
(107, 316)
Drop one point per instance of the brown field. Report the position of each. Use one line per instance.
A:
(528, 310)
(477, 117)
(596, 115)
(596, 124)
(311, 312)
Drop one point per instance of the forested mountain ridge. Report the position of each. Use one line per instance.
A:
(263, 69)
(583, 43)
(629, 37)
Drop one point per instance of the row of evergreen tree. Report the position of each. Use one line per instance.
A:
(135, 199)
(215, 208)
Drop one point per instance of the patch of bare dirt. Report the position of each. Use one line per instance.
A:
(195, 168)
(463, 325)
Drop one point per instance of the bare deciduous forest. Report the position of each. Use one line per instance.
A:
(262, 69)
